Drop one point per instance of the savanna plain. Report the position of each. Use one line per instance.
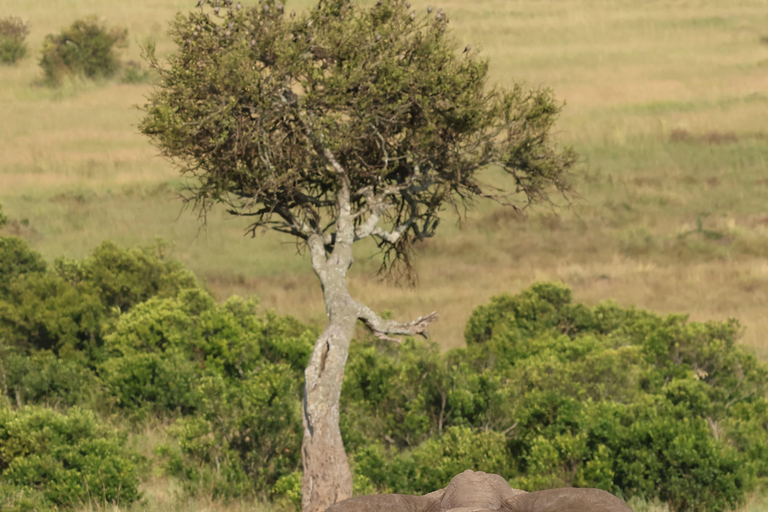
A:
(666, 103)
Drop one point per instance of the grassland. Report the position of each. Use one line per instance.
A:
(667, 102)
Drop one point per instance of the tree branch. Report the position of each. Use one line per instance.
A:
(375, 204)
(391, 237)
(317, 254)
(383, 329)
(345, 231)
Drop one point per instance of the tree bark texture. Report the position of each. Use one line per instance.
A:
(327, 478)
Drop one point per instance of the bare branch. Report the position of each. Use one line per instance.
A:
(375, 204)
(383, 329)
(393, 236)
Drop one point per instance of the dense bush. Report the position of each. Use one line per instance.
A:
(547, 392)
(86, 48)
(620, 399)
(235, 377)
(61, 460)
(247, 434)
(13, 32)
(159, 351)
(16, 258)
(53, 320)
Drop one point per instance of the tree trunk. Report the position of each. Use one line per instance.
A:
(327, 478)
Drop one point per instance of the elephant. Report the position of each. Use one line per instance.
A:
(475, 491)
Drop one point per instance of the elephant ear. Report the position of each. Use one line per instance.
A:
(384, 503)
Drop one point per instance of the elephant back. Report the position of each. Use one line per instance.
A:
(567, 499)
(383, 503)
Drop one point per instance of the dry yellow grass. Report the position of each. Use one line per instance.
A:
(667, 102)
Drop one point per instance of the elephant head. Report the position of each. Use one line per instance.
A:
(473, 491)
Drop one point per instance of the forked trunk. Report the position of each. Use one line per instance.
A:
(327, 478)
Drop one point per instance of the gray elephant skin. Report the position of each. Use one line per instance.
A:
(475, 491)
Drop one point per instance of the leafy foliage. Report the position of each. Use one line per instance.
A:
(247, 435)
(547, 392)
(53, 320)
(268, 110)
(69, 459)
(235, 377)
(85, 48)
(159, 351)
(121, 278)
(620, 399)
(13, 32)
(16, 258)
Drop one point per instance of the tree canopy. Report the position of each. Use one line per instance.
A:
(273, 114)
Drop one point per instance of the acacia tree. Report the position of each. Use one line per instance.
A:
(336, 125)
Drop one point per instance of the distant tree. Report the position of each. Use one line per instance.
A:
(13, 32)
(336, 125)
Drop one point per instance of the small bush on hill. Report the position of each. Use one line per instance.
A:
(50, 460)
(13, 32)
(3, 218)
(86, 48)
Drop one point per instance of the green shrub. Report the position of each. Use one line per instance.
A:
(391, 391)
(41, 311)
(53, 321)
(65, 460)
(13, 32)
(3, 218)
(161, 348)
(246, 436)
(432, 464)
(64, 310)
(23, 499)
(16, 258)
(620, 399)
(85, 48)
(746, 429)
(287, 491)
(44, 378)
(547, 393)
(122, 278)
